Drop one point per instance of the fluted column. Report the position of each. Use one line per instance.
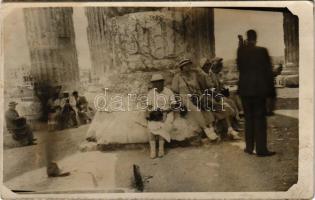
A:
(291, 41)
(51, 41)
(203, 29)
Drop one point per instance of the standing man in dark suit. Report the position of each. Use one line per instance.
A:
(256, 84)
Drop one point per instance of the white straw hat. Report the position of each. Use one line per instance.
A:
(157, 77)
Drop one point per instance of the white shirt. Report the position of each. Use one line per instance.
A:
(162, 100)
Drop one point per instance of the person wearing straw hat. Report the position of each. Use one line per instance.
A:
(159, 115)
(190, 85)
(17, 125)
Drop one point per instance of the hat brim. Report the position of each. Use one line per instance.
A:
(185, 63)
(157, 80)
(217, 60)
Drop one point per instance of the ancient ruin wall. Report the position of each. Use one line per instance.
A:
(129, 47)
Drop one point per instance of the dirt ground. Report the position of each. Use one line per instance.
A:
(219, 167)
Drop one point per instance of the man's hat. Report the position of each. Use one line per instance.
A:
(216, 59)
(215, 63)
(13, 103)
(157, 77)
(184, 61)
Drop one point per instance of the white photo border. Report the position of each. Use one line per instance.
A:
(304, 189)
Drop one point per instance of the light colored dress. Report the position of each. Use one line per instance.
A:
(163, 101)
(126, 127)
(195, 84)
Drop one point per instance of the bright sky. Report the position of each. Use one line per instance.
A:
(80, 25)
(230, 23)
(15, 45)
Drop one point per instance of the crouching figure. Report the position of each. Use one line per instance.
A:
(159, 115)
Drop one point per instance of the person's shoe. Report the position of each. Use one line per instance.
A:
(31, 143)
(265, 154)
(234, 135)
(211, 133)
(153, 149)
(238, 129)
(247, 151)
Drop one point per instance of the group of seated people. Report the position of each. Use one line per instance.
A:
(66, 111)
(198, 92)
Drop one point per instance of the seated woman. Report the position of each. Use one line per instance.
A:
(229, 111)
(189, 85)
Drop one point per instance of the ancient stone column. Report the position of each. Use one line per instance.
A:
(203, 30)
(98, 40)
(51, 40)
(291, 41)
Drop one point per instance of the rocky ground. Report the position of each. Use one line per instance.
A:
(206, 167)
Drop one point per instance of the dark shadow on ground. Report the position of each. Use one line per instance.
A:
(22, 159)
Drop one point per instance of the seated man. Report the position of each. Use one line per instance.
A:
(68, 117)
(17, 125)
(80, 105)
(54, 112)
(228, 111)
(160, 116)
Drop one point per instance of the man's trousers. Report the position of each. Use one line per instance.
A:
(255, 123)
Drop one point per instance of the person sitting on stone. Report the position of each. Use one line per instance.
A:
(68, 117)
(229, 113)
(159, 114)
(80, 105)
(189, 85)
(54, 111)
(18, 127)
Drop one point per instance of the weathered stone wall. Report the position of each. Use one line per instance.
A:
(129, 47)
(51, 40)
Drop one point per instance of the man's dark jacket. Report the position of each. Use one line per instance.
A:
(11, 116)
(256, 77)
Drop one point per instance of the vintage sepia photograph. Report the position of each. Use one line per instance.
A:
(150, 99)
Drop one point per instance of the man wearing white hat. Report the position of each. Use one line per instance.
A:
(160, 116)
(17, 125)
